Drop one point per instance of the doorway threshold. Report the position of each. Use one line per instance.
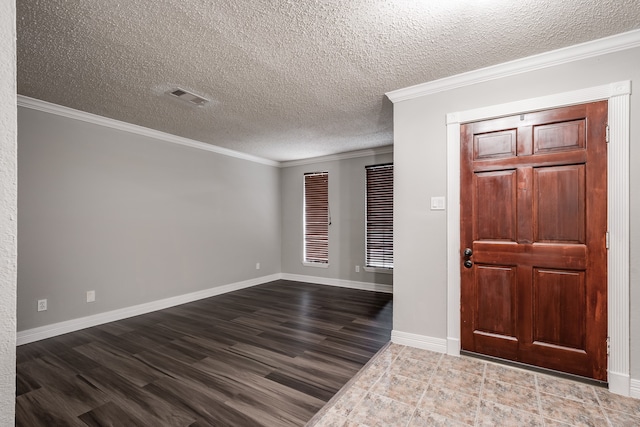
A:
(537, 369)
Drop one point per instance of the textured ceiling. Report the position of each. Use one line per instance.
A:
(288, 79)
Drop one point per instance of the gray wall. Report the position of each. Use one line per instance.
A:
(346, 233)
(420, 274)
(134, 218)
(8, 205)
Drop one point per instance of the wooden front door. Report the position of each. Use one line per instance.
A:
(533, 237)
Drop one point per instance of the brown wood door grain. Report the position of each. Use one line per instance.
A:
(534, 213)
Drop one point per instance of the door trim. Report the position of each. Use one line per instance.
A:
(618, 95)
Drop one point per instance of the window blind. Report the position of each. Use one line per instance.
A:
(379, 216)
(316, 217)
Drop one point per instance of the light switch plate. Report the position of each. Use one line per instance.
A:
(437, 203)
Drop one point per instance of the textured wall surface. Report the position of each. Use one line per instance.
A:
(346, 233)
(133, 218)
(288, 79)
(420, 276)
(8, 214)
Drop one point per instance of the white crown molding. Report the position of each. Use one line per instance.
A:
(565, 55)
(55, 329)
(387, 149)
(351, 284)
(59, 110)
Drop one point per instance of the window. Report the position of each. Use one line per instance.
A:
(316, 218)
(379, 217)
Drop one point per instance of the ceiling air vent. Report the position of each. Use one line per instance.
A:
(191, 98)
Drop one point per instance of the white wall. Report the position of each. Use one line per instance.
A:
(346, 233)
(420, 282)
(8, 216)
(134, 218)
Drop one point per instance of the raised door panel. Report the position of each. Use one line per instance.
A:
(496, 300)
(494, 145)
(561, 136)
(496, 323)
(559, 204)
(495, 206)
(559, 304)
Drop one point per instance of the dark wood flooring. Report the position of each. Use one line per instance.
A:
(270, 355)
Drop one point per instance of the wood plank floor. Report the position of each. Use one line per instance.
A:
(271, 355)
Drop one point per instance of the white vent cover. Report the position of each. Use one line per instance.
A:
(189, 97)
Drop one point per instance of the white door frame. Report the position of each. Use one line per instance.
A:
(618, 213)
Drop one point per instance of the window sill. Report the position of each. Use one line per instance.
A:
(316, 264)
(379, 270)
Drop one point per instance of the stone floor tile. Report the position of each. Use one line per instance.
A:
(510, 375)
(619, 403)
(448, 403)
(380, 411)
(422, 418)
(331, 419)
(413, 368)
(464, 382)
(622, 419)
(567, 389)
(463, 363)
(571, 411)
(369, 376)
(494, 414)
(400, 388)
(523, 398)
(349, 399)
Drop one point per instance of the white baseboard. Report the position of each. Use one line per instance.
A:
(438, 345)
(453, 346)
(618, 383)
(634, 388)
(363, 286)
(55, 329)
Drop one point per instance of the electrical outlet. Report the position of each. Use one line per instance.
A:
(42, 305)
(357, 269)
(257, 266)
(91, 296)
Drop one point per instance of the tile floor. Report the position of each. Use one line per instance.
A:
(405, 386)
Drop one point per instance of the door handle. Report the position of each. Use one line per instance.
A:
(467, 255)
